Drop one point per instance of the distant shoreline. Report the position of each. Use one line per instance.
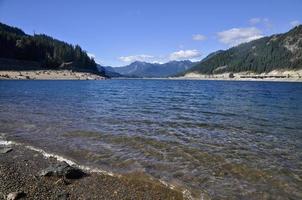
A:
(213, 79)
(275, 75)
(48, 75)
(72, 75)
(241, 79)
(216, 79)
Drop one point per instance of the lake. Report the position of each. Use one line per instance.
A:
(222, 139)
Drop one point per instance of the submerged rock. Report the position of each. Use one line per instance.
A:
(15, 195)
(5, 150)
(63, 170)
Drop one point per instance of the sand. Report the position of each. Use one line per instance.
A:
(48, 75)
(290, 76)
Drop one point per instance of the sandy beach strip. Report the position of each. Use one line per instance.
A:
(48, 75)
(20, 174)
(276, 75)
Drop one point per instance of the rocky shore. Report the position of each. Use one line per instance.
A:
(276, 75)
(48, 75)
(27, 174)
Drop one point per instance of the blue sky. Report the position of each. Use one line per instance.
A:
(118, 32)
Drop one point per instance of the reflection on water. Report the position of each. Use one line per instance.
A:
(230, 140)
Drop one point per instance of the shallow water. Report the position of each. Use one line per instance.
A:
(221, 139)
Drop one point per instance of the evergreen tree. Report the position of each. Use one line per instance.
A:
(51, 53)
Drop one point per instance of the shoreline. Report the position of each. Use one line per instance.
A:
(48, 75)
(216, 79)
(71, 75)
(240, 79)
(273, 76)
(20, 167)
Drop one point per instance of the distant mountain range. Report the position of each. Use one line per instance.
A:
(20, 51)
(280, 51)
(151, 70)
(109, 71)
(276, 52)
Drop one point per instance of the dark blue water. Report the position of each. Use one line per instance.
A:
(222, 139)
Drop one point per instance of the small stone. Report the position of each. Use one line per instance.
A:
(55, 170)
(5, 150)
(62, 196)
(63, 170)
(73, 173)
(15, 195)
(62, 181)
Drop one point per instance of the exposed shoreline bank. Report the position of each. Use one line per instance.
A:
(20, 169)
(286, 76)
(217, 79)
(240, 79)
(48, 75)
(276, 75)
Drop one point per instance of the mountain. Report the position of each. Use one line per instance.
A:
(280, 51)
(44, 51)
(108, 71)
(155, 70)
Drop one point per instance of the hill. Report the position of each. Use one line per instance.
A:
(108, 71)
(276, 52)
(45, 52)
(154, 70)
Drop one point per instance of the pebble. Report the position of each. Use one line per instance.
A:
(62, 196)
(15, 195)
(5, 150)
(63, 170)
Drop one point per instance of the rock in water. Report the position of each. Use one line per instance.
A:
(63, 170)
(15, 195)
(54, 170)
(5, 150)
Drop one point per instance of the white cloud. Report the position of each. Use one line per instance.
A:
(255, 20)
(184, 54)
(267, 23)
(133, 58)
(181, 46)
(261, 21)
(199, 37)
(91, 55)
(192, 54)
(295, 23)
(236, 36)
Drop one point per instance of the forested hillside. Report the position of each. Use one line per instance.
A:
(50, 53)
(282, 51)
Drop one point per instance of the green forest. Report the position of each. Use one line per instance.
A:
(282, 51)
(50, 53)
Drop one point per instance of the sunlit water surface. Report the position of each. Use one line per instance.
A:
(224, 140)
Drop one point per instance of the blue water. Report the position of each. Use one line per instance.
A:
(221, 139)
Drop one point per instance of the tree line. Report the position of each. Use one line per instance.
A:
(49, 52)
(283, 51)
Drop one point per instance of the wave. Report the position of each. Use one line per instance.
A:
(58, 158)
(186, 193)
